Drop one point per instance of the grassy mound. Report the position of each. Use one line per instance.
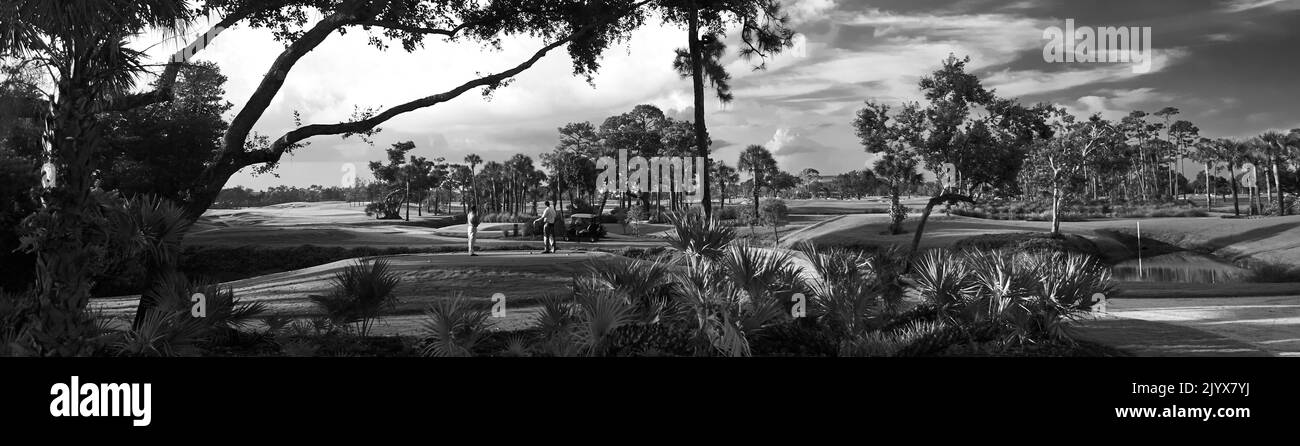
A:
(1030, 241)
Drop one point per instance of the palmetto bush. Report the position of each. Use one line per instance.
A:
(1029, 294)
(736, 298)
(585, 324)
(163, 333)
(854, 294)
(453, 327)
(698, 237)
(359, 293)
(169, 328)
(598, 314)
(724, 298)
(943, 278)
(555, 321)
(760, 271)
(648, 286)
(890, 342)
(17, 311)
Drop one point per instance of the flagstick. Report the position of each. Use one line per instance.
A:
(1139, 229)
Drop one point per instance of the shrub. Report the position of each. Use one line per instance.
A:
(797, 337)
(581, 206)
(773, 211)
(554, 323)
(170, 329)
(651, 339)
(745, 214)
(599, 313)
(615, 216)
(854, 293)
(1273, 273)
(698, 237)
(648, 286)
(507, 217)
(897, 213)
(890, 342)
(16, 310)
(162, 333)
(1025, 296)
(725, 213)
(453, 327)
(359, 293)
(1028, 241)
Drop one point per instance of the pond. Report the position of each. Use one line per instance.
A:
(1179, 267)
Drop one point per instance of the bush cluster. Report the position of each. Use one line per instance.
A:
(1042, 211)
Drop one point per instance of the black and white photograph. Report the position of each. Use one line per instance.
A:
(1102, 188)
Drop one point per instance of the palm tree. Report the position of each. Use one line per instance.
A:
(704, 59)
(758, 161)
(809, 176)
(473, 160)
(84, 47)
(724, 175)
(1234, 152)
(1277, 144)
(1206, 152)
(763, 31)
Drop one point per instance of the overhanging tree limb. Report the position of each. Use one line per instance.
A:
(236, 152)
(388, 24)
(278, 147)
(163, 92)
(242, 125)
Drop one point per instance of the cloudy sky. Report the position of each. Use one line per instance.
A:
(1228, 65)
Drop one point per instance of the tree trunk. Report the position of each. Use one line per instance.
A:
(1208, 203)
(1056, 210)
(697, 86)
(895, 224)
(722, 191)
(1236, 205)
(925, 215)
(64, 258)
(1277, 179)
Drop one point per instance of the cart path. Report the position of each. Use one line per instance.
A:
(1239, 326)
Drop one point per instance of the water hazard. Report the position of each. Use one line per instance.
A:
(1179, 267)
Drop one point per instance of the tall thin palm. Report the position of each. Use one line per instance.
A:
(760, 164)
(1205, 152)
(1276, 143)
(473, 160)
(1234, 152)
(763, 31)
(724, 175)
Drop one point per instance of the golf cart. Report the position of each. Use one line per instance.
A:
(584, 227)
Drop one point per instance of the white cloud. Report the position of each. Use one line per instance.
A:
(805, 10)
(1018, 83)
(1115, 104)
(787, 142)
(1246, 5)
